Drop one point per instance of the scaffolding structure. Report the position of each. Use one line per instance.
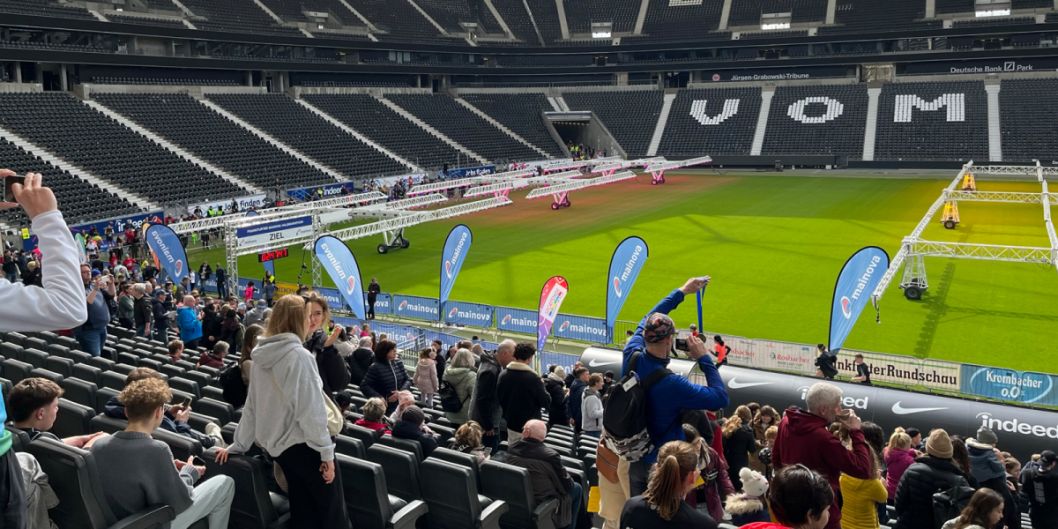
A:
(914, 249)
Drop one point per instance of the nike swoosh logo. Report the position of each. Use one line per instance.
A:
(735, 384)
(597, 363)
(900, 410)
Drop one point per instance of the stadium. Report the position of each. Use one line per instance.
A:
(214, 148)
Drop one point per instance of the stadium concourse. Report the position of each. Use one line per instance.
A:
(128, 402)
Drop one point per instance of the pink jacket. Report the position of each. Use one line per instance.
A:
(426, 376)
(896, 462)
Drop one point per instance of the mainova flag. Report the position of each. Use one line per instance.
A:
(167, 250)
(455, 252)
(627, 261)
(341, 266)
(856, 282)
(551, 297)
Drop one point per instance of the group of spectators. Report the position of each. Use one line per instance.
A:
(817, 466)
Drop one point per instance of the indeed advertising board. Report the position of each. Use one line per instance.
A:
(1008, 384)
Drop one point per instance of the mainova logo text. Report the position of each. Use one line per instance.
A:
(510, 319)
(568, 326)
(457, 252)
(468, 314)
(416, 307)
(626, 272)
(1018, 426)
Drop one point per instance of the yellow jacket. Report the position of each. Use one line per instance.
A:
(858, 510)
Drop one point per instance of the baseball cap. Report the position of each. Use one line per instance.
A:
(659, 326)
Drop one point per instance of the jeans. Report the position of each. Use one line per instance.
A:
(161, 331)
(577, 493)
(91, 340)
(211, 498)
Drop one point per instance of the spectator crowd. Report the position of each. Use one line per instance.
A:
(690, 459)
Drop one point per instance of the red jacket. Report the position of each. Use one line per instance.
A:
(803, 438)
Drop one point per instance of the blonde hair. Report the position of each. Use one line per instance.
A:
(373, 409)
(288, 315)
(469, 434)
(899, 440)
(732, 423)
(665, 491)
(771, 433)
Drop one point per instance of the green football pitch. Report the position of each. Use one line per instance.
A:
(772, 243)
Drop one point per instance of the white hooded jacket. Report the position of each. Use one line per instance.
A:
(284, 405)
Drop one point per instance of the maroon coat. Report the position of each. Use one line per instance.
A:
(803, 438)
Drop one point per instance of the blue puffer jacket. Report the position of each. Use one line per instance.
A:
(670, 396)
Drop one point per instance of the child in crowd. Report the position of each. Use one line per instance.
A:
(426, 375)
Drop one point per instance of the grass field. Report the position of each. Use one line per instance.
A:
(773, 245)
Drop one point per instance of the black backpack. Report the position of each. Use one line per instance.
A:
(624, 420)
(235, 391)
(450, 400)
(949, 503)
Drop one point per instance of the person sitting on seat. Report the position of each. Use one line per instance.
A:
(548, 477)
(176, 350)
(215, 359)
(140, 472)
(410, 427)
(34, 404)
(374, 411)
(176, 417)
(468, 441)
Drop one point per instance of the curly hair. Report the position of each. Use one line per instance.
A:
(143, 397)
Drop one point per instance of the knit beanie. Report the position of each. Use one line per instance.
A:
(414, 415)
(986, 436)
(753, 483)
(939, 444)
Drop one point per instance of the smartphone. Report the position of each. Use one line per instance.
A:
(9, 194)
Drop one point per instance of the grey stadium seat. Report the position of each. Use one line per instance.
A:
(453, 498)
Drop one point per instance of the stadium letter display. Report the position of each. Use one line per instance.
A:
(341, 266)
(856, 282)
(551, 297)
(168, 251)
(452, 256)
(625, 264)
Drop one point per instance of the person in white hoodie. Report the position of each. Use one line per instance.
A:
(591, 407)
(59, 305)
(285, 414)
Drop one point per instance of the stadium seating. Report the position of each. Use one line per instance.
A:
(932, 121)
(236, 16)
(464, 127)
(146, 21)
(711, 121)
(680, 21)
(522, 113)
(1029, 110)
(181, 119)
(860, 15)
(368, 116)
(450, 14)
(294, 11)
(517, 19)
(44, 8)
(88, 139)
(79, 201)
(400, 22)
(954, 6)
(580, 14)
(630, 116)
(748, 12)
(817, 120)
(299, 128)
(545, 14)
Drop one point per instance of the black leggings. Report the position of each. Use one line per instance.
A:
(313, 503)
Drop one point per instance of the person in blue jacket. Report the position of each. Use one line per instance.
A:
(672, 395)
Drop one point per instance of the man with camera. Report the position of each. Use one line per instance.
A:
(93, 333)
(654, 340)
(60, 305)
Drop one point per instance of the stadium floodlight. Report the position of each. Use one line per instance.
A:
(560, 192)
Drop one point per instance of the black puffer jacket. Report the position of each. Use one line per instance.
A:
(383, 378)
(557, 411)
(914, 494)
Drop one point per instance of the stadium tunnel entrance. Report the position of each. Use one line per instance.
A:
(584, 128)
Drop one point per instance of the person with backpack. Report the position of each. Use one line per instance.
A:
(1041, 486)
(658, 400)
(459, 381)
(988, 470)
(935, 472)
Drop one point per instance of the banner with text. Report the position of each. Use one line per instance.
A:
(416, 307)
(243, 203)
(1008, 384)
(581, 328)
(275, 232)
(625, 264)
(452, 256)
(302, 194)
(472, 314)
(516, 320)
(168, 251)
(856, 282)
(341, 265)
(462, 172)
(551, 297)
